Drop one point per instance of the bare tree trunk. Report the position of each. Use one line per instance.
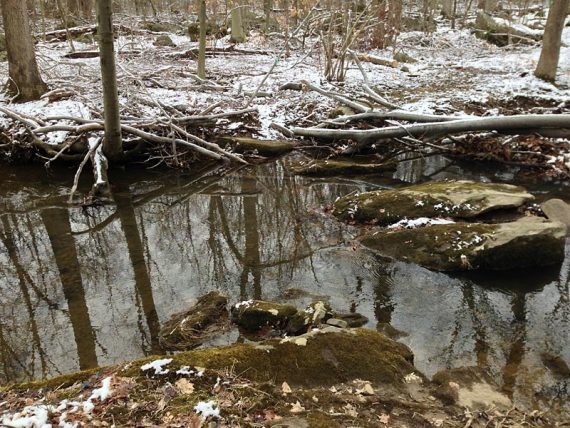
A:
(550, 53)
(238, 34)
(25, 80)
(112, 144)
(202, 42)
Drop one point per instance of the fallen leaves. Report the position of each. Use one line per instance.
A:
(184, 386)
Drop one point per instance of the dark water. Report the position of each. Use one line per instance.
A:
(81, 287)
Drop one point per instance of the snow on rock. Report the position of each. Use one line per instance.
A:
(418, 222)
(157, 365)
(207, 409)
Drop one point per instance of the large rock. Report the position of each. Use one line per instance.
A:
(455, 199)
(501, 32)
(530, 241)
(321, 357)
(255, 315)
(188, 330)
(557, 210)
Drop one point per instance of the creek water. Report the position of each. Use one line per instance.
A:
(88, 286)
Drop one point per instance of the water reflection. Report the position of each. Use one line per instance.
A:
(81, 287)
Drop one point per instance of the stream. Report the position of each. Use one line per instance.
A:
(88, 286)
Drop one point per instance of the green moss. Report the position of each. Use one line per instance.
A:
(327, 358)
(321, 420)
(188, 329)
(62, 381)
(259, 314)
(155, 27)
(164, 40)
(438, 247)
(460, 199)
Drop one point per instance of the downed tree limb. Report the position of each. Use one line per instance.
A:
(394, 114)
(90, 125)
(517, 124)
(376, 60)
(61, 35)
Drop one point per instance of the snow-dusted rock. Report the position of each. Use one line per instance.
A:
(527, 242)
(454, 199)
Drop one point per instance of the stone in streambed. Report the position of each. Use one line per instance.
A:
(453, 199)
(527, 242)
(188, 330)
(254, 315)
(342, 166)
(557, 210)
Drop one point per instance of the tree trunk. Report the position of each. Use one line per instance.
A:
(25, 80)
(238, 34)
(550, 53)
(202, 43)
(112, 144)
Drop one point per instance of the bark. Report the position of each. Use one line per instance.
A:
(25, 80)
(518, 123)
(112, 145)
(238, 34)
(202, 42)
(550, 53)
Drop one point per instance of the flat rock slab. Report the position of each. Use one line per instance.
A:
(557, 210)
(528, 242)
(454, 199)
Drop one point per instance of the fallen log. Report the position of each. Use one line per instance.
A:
(61, 35)
(510, 124)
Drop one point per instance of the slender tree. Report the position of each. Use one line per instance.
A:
(112, 144)
(202, 43)
(25, 80)
(550, 53)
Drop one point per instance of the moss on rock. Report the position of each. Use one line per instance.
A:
(530, 241)
(257, 314)
(324, 358)
(188, 329)
(456, 199)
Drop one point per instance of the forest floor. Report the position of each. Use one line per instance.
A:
(455, 73)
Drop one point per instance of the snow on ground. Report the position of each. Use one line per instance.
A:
(454, 69)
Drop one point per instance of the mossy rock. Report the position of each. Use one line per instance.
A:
(353, 319)
(254, 315)
(315, 314)
(164, 40)
(454, 199)
(188, 330)
(319, 358)
(342, 166)
(268, 148)
(528, 242)
(2, 42)
(156, 27)
(404, 57)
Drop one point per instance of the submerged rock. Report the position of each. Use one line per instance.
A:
(254, 315)
(188, 330)
(557, 210)
(528, 242)
(342, 166)
(454, 199)
(352, 319)
(268, 148)
(470, 387)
